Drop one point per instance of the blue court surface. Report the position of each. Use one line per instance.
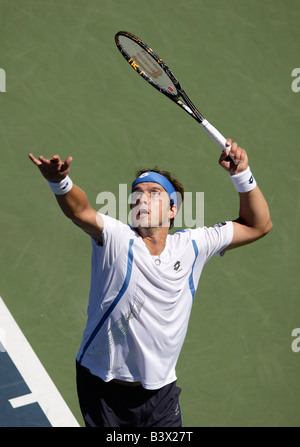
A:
(28, 397)
(15, 407)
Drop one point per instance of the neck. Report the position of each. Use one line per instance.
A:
(154, 238)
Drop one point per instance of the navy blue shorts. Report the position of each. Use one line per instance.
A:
(110, 404)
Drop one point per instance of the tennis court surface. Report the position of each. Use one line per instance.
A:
(65, 89)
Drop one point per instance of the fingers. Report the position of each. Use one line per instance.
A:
(234, 159)
(44, 160)
(52, 169)
(34, 160)
(237, 153)
(226, 152)
(228, 143)
(41, 160)
(66, 163)
(55, 160)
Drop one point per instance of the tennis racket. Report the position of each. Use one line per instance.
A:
(152, 68)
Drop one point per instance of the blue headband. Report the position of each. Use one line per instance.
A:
(155, 177)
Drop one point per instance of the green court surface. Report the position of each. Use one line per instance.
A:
(69, 91)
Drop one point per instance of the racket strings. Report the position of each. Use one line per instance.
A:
(142, 61)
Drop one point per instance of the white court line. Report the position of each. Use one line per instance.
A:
(34, 374)
(20, 401)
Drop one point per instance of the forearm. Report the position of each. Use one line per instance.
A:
(254, 220)
(254, 211)
(74, 203)
(75, 206)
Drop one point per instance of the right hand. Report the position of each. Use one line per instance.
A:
(240, 157)
(54, 170)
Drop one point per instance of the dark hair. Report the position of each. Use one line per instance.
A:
(177, 185)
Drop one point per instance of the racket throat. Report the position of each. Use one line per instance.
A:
(191, 109)
(185, 107)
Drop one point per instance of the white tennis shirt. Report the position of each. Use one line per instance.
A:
(138, 311)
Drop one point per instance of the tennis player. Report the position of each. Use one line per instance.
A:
(143, 283)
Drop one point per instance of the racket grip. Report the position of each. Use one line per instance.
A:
(217, 137)
(215, 134)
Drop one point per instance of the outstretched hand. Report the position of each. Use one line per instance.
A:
(54, 169)
(240, 157)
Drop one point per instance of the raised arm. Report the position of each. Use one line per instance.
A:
(254, 220)
(74, 202)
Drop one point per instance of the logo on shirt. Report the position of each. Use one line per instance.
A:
(176, 266)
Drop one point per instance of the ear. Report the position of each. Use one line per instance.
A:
(173, 211)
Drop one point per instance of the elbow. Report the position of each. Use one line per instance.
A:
(267, 228)
(262, 230)
(270, 226)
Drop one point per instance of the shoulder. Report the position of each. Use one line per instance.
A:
(199, 232)
(114, 230)
(188, 234)
(112, 224)
(181, 239)
(210, 240)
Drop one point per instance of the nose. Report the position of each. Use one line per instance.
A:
(143, 198)
(139, 198)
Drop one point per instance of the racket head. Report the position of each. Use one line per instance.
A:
(147, 64)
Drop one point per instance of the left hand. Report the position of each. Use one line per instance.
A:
(54, 169)
(240, 157)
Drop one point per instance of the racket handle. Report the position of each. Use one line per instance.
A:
(216, 136)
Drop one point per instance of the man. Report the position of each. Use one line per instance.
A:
(142, 287)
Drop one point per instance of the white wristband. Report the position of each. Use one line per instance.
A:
(61, 188)
(244, 181)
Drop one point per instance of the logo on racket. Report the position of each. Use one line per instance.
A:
(133, 64)
(153, 70)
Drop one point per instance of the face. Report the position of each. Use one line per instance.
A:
(150, 206)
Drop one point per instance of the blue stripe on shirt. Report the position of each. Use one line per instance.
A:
(191, 280)
(115, 301)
